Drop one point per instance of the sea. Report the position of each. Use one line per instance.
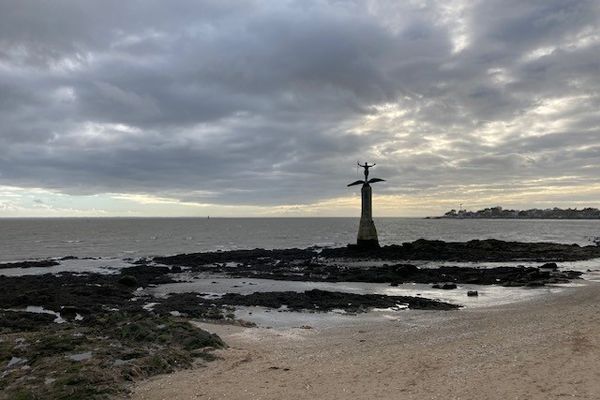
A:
(105, 245)
(40, 238)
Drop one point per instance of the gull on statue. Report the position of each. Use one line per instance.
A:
(367, 234)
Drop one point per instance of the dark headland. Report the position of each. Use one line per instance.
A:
(108, 336)
(534, 213)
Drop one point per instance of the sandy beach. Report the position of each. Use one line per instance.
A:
(546, 348)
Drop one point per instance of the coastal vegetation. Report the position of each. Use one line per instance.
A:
(534, 213)
(87, 336)
(94, 359)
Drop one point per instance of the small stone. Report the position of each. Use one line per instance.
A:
(449, 286)
(445, 286)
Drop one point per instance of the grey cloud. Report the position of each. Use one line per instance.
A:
(254, 102)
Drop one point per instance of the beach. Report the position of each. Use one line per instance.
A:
(543, 348)
(478, 319)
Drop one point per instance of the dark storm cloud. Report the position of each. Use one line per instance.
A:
(272, 102)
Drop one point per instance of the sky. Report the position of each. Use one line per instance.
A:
(263, 107)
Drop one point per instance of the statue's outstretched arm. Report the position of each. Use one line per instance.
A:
(356, 183)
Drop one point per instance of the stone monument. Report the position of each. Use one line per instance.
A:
(367, 234)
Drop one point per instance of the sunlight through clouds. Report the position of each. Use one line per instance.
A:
(264, 108)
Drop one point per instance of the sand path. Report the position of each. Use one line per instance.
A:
(548, 348)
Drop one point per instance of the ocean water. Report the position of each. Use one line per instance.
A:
(106, 245)
(25, 239)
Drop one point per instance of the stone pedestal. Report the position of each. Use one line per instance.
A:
(367, 234)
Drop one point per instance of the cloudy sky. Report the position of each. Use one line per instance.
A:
(262, 108)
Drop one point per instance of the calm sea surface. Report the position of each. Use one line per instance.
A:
(22, 239)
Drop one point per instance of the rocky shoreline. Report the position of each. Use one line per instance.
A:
(30, 264)
(74, 336)
(335, 265)
(87, 335)
(490, 250)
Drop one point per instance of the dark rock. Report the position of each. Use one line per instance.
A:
(306, 265)
(449, 286)
(445, 286)
(472, 293)
(69, 312)
(30, 264)
(128, 280)
(474, 250)
(87, 293)
(320, 300)
(148, 274)
(551, 266)
(19, 321)
(190, 304)
(237, 256)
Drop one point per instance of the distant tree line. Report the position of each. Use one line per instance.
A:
(534, 213)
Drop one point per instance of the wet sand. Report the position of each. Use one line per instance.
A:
(546, 348)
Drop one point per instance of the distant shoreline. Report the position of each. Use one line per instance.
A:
(518, 218)
(534, 213)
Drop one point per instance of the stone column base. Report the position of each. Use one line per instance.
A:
(367, 234)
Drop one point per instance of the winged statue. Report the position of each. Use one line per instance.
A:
(366, 181)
